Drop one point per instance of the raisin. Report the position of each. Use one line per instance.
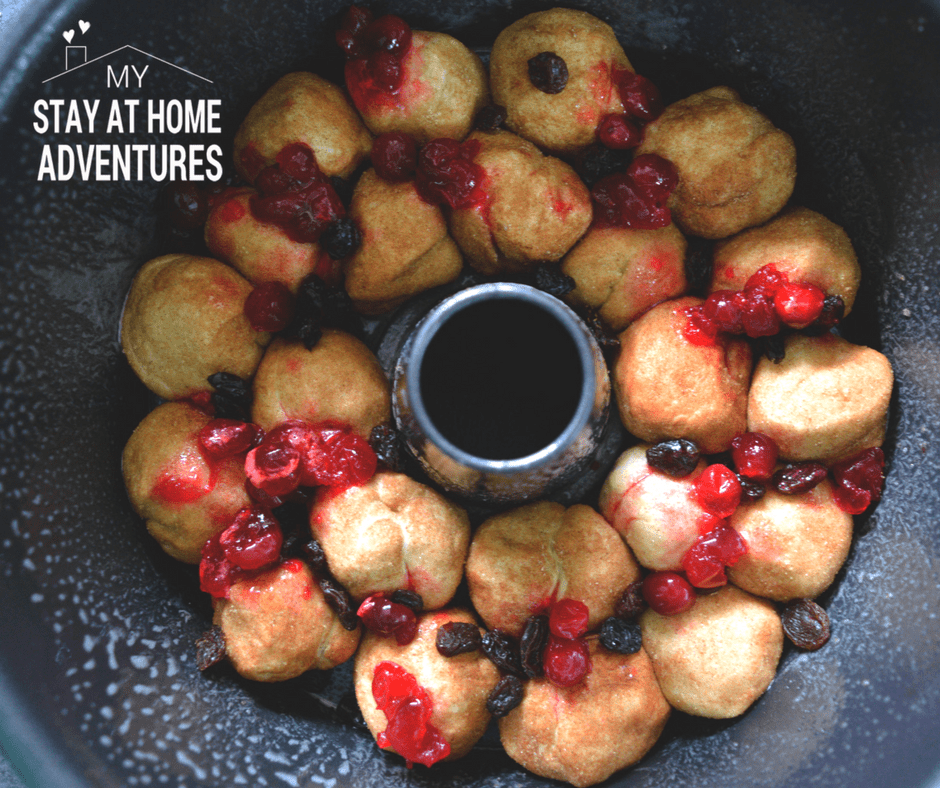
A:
(833, 311)
(550, 279)
(698, 265)
(318, 304)
(408, 598)
(532, 645)
(388, 449)
(631, 602)
(598, 162)
(606, 340)
(503, 651)
(490, 118)
(340, 602)
(458, 637)
(773, 347)
(806, 624)
(548, 72)
(799, 478)
(341, 239)
(232, 396)
(343, 187)
(506, 695)
(210, 648)
(676, 458)
(313, 552)
(621, 637)
(751, 490)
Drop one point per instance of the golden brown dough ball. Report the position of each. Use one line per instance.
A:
(736, 169)
(184, 320)
(392, 533)
(802, 244)
(670, 387)
(405, 247)
(184, 498)
(827, 400)
(262, 252)
(658, 516)
(585, 733)
(717, 658)
(457, 686)
(795, 544)
(339, 380)
(302, 107)
(563, 122)
(536, 207)
(444, 87)
(621, 272)
(519, 559)
(277, 625)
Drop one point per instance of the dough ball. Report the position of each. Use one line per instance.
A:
(339, 380)
(184, 320)
(458, 686)
(392, 533)
(522, 558)
(567, 121)
(795, 544)
(802, 244)
(670, 387)
(277, 625)
(719, 657)
(405, 247)
(621, 273)
(302, 107)
(444, 87)
(736, 169)
(536, 207)
(261, 252)
(658, 516)
(184, 497)
(585, 733)
(827, 400)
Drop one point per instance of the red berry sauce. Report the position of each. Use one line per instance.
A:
(718, 490)
(754, 455)
(638, 198)
(448, 175)
(858, 481)
(668, 593)
(704, 563)
(408, 708)
(395, 156)
(618, 133)
(381, 615)
(269, 307)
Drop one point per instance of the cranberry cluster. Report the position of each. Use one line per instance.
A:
(566, 660)
(375, 48)
(447, 173)
(642, 104)
(768, 302)
(252, 542)
(408, 708)
(385, 615)
(636, 198)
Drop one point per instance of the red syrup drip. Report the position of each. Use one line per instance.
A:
(407, 707)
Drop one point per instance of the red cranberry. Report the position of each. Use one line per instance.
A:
(668, 593)
(699, 329)
(618, 133)
(381, 615)
(305, 440)
(253, 540)
(269, 307)
(799, 304)
(758, 315)
(350, 35)
(725, 309)
(272, 180)
(297, 161)
(222, 438)
(640, 97)
(619, 203)
(273, 468)
(766, 279)
(394, 156)
(754, 455)
(388, 34)
(448, 174)
(216, 572)
(859, 480)
(718, 490)
(655, 176)
(568, 618)
(566, 662)
(704, 563)
(386, 71)
(347, 459)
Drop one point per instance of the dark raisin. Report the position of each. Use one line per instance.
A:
(622, 637)
(341, 238)
(676, 458)
(506, 695)
(806, 624)
(832, 312)
(698, 265)
(232, 396)
(799, 478)
(631, 602)
(548, 73)
(490, 118)
(343, 188)
(340, 602)
(751, 490)
(598, 162)
(210, 648)
(316, 557)
(387, 447)
(532, 645)
(408, 598)
(550, 279)
(503, 651)
(773, 347)
(458, 637)
(316, 305)
(606, 340)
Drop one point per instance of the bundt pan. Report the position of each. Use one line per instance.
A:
(98, 685)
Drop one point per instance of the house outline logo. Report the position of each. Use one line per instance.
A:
(80, 52)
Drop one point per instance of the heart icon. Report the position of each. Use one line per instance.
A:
(84, 25)
(68, 35)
